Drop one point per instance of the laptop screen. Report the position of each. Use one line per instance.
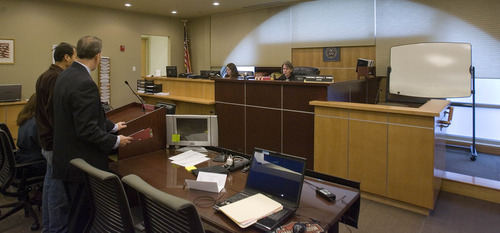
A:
(276, 174)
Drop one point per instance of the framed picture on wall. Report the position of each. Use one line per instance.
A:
(331, 54)
(6, 51)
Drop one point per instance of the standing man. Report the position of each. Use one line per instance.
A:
(81, 130)
(54, 203)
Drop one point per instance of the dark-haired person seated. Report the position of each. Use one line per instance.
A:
(287, 69)
(27, 139)
(232, 71)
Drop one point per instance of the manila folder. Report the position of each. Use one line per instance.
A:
(247, 211)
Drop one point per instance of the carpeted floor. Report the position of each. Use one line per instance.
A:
(486, 165)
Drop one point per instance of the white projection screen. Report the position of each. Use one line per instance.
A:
(431, 70)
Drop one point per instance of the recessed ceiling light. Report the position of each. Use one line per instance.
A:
(128, 4)
(216, 3)
(174, 12)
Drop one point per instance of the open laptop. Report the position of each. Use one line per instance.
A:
(278, 176)
(10, 92)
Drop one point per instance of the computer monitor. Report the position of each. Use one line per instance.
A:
(171, 71)
(192, 130)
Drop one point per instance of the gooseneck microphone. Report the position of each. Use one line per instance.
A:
(142, 102)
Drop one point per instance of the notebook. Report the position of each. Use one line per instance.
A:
(278, 176)
(10, 92)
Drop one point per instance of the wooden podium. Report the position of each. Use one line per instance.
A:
(137, 120)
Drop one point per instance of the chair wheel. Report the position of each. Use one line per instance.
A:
(35, 226)
(473, 158)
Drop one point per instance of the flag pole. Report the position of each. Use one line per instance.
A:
(187, 55)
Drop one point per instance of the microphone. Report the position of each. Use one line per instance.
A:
(142, 102)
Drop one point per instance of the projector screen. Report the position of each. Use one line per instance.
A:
(432, 70)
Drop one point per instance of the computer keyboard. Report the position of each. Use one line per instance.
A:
(278, 215)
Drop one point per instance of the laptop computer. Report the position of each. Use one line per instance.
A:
(278, 176)
(10, 92)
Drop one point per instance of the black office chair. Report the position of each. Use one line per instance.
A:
(351, 217)
(18, 187)
(5, 128)
(112, 210)
(163, 212)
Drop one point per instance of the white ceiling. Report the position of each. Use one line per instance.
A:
(186, 9)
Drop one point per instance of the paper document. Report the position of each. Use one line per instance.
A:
(208, 181)
(189, 158)
(247, 211)
(142, 134)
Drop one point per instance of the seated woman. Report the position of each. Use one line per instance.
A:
(287, 69)
(27, 138)
(232, 71)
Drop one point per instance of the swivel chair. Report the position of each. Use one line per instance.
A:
(17, 187)
(112, 210)
(163, 212)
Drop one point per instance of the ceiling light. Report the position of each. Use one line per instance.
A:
(128, 4)
(174, 12)
(216, 3)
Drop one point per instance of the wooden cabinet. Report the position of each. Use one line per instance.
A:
(191, 96)
(276, 115)
(395, 152)
(8, 115)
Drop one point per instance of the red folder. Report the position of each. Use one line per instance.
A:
(142, 134)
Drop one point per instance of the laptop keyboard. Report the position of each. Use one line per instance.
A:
(276, 216)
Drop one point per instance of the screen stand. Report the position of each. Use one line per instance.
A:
(473, 151)
(193, 148)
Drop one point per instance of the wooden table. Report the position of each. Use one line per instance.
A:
(156, 169)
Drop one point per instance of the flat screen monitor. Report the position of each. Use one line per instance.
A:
(171, 71)
(192, 130)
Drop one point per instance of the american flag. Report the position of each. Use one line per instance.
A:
(187, 57)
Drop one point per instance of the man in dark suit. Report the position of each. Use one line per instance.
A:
(81, 129)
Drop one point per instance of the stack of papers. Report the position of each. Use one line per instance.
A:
(189, 158)
(248, 211)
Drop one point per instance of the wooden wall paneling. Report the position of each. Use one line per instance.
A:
(263, 129)
(208, 91)
(11, 117)
(2, 113)
(236, 95)
(178, 88)
(192, 108)
(231, 122)
(298, 135)
(343, 70)
(267, 94)
(368, 150)
(297, 97)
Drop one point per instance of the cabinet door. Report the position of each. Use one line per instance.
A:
(410, 160)
(330, 141)
(368, 150)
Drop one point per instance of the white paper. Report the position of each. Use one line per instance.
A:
(157, 73)
(189, 158)
(208, 181)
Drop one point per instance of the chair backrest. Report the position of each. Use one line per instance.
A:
(5, 128)
(163, 212)
(112, 211)
(7, 163)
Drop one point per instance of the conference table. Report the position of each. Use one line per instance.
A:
(156, 169)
